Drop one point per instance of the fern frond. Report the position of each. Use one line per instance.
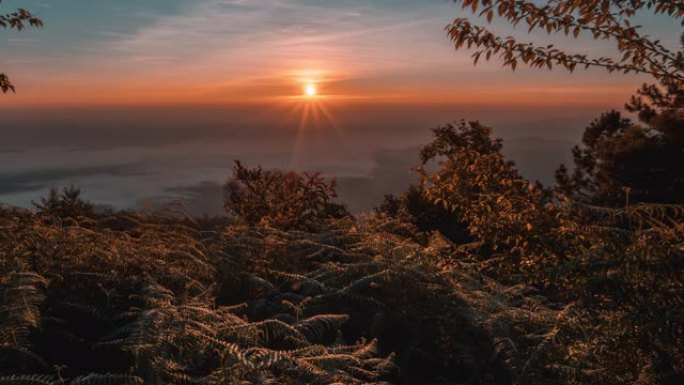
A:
(107, 379)
(19, 306)
(316, 328)
(302, 284)
(28, 380)
(12, 356)
(260, 285)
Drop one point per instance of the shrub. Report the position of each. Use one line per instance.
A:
(280, 199)
(486, 194)
(65, 204)
(417, 209)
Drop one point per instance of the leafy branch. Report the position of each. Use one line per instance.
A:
(18, 20)
(602, 19)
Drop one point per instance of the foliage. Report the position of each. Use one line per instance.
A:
(622, 162)
(151, 299)
(143, 303)
(472, 196)
(499, 208)
(611, 20)
(284, 200)
(614, 274)
(18, 21)
(414, 207)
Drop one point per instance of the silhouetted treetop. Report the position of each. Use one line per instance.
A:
(622, 162)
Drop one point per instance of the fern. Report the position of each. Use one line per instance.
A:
(20, 314)
(316, 328)
(158, 300)
(107, 379)
(28, 380)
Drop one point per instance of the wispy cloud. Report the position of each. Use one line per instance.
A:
(242, 50)
(235, 43)
(41, 179)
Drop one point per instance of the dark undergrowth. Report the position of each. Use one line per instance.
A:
(127, 299)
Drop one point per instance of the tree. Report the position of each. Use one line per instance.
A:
(610, 20)
(620, 162)
(17, 20)
(65, 204)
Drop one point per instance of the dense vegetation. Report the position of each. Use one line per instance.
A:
(531, 290)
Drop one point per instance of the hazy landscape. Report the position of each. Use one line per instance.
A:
(342, 192)
(121, 157)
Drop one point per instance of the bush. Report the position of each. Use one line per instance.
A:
(280, 199)
(481, 193)
(417, 209)
(65, 204)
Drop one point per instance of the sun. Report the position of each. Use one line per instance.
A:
(310, 90)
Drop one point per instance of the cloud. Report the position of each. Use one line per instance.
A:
(40, 179)
(215, 48)
(204, 198)
(535, 157)
(391, 174)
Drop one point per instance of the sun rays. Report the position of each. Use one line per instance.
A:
(314, 117)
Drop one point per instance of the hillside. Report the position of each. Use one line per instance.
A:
(129, 298)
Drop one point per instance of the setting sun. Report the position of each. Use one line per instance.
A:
(310, 90)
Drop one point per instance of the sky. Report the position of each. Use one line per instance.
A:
(235, 51)
(138, 100)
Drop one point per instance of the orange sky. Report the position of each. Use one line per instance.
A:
(286, 90)
(226, 52)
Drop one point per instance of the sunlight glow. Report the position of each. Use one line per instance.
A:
(313, 111)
